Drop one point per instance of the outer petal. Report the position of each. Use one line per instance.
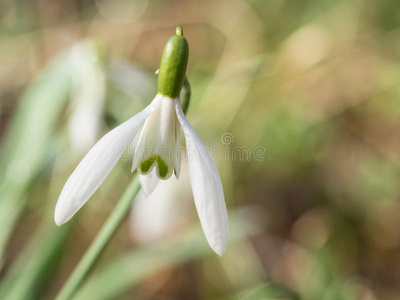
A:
(96, 165)
(164, 212)
(149, 182)
(207, 188)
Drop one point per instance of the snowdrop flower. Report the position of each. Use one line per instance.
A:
(156, 132)
(87, 96)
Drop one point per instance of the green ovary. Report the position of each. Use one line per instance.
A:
(161, 165)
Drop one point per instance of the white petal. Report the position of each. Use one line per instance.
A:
(96, 165)
(149, 182)
(207, 188)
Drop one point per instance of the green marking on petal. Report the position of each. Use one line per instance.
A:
(161, 165)
(147, 164)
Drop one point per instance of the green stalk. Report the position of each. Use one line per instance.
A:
(186, 92)
(100, 241)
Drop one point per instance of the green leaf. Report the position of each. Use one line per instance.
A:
(27, 140)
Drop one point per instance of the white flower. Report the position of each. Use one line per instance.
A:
(157, 130)
(87, 96)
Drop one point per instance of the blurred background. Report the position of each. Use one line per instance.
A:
(310, 88)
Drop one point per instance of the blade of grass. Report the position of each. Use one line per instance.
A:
(33, 267)
(267, 292)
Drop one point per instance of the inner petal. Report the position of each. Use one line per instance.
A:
(162, 167)
(157, 141)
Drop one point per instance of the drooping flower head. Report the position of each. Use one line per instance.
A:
(155, 133)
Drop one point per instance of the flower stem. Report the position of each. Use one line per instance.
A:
(185, 95)
(101, 240)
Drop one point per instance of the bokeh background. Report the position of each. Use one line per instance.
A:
(312, 87)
